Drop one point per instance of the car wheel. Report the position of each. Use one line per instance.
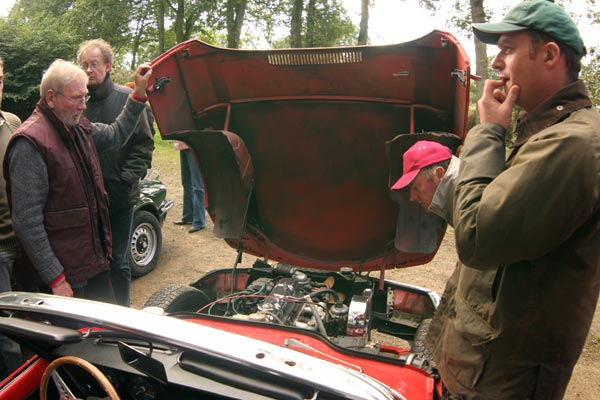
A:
(418, 344)
(177, 298)
(145, 243)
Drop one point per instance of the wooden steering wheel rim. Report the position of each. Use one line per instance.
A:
(83, 364)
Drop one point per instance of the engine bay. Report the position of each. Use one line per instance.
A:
(343, 306)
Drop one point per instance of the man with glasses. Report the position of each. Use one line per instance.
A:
(122, 169)
(59, 206)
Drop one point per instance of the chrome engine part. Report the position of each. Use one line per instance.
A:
(290, 297)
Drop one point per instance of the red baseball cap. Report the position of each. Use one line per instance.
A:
(419, 155)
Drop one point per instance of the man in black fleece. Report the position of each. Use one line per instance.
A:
(54, 182)
(121, 169)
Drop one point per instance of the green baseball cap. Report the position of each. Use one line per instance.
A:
(540, 15)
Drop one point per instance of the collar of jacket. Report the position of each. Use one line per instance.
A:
(101, 91)
(443, 198)
(571, 98)
(11, 120)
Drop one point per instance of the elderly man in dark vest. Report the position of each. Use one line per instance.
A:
(122, 169)
(58, 202)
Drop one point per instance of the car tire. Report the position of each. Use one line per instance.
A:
(178, 298)
(418, 344)
(145, 243)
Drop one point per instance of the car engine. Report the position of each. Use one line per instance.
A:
(352, 310)
(335, 304)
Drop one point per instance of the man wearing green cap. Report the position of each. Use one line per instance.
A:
(527, 223)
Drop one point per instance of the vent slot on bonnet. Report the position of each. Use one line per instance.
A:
(313, 58)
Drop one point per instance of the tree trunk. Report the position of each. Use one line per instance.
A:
(160, 22)
(310, 24)
(481, 61)
(296, 24)
(135, 45)
(179, 21)
(363, 34)
(134, 52)
(236, 11)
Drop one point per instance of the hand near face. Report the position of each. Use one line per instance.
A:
(495, 106)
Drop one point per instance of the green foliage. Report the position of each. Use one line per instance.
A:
(38, 10)
(149, 51)
(90, 19)
(472, 115)
(266, 16)
(39, 31)
(27, 51)
(159, 143)
(329, 25)
(164, 155)
(121, 75)
(191, 17)
(332, 26)
(589, 74)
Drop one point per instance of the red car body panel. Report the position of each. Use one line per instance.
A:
(413, 383)
(298, 149)
(23, 381)
(294, 144)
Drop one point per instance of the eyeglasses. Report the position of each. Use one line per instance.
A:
(93, 65)
(76, 100)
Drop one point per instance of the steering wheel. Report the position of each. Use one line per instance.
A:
(63, 390)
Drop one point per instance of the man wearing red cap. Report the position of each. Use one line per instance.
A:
(526, 223)
(430, 171)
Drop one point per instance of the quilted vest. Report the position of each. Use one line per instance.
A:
(76, 212)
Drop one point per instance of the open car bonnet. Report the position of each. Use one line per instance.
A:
(299, 147)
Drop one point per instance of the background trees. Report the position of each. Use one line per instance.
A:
(38, 31)
(466, 12)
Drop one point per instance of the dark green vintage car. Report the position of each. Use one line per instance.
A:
(145, 243)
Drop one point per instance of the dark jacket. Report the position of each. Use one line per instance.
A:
(122, 169)
(58, 202)
(527, 234)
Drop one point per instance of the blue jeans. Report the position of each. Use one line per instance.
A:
(120, 271)
(10, 351)
(193, 190)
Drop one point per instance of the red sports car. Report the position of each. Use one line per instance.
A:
(297, 148)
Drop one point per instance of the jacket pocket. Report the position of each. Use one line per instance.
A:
(69, 233)
(467, 344)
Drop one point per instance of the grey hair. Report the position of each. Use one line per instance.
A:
(59, 74)
(430, 169)
(103, 45)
